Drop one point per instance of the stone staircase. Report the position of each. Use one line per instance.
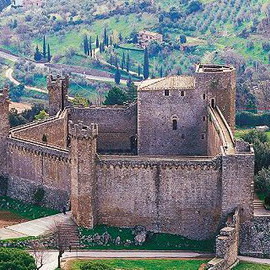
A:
(259, 209)
(69, 234)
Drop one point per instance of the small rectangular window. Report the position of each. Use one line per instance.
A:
(204, 96)
(203, 136)
(183, 93)
(204, 118)
(167, 93)
(174, 124)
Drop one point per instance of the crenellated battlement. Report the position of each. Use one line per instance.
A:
(57, 80)
(81, 131)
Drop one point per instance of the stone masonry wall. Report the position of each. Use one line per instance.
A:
(55, 129)
(156, 113)
(255, 237)
(117, 125)
(174, 196)
(31, 166)
(227, 243)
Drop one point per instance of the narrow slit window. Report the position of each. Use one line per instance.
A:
(203, 136)
(204, 96)
(174, 124)
(167, 93)
(183, 93)
(204, 118)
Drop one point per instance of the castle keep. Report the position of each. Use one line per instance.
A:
(168, 162)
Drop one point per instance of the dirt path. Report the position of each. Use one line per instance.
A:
(7, 219)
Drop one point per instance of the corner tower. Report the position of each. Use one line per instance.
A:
(83, 173)
(4, 129)
(58, 93)
(218, 84)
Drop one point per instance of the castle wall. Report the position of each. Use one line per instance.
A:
(31, 166)
(155, 123)
(255, 239)
(180, 197)
(117, 125)
(55, 130)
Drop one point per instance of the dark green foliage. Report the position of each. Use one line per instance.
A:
(261, 147)
(16, 92)
(128, 63)
(146, 64)
(183, 39)
(248, 119)
(267, 200)
(97, 42)
(95, 266)
(116, 97)
(86, 45)
(262, 181)
(14, 259)
(37, 55)
(90, 46)
(49, 56)
(123, 63)
(39, 195)
(117, 76)
(44, 47)
(194, 6)
(132, 91)
(26, 116)
(3, 185)
(25, 210)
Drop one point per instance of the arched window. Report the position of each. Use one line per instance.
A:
(174, 122)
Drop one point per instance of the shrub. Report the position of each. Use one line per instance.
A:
(262, 181)
(3, 185)
(267, 200)
(14, 259)
(39, 195)
(95, 266)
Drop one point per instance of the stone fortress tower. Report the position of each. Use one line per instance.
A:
(168, 162)
(58, 95)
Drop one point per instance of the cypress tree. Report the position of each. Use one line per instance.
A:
(111, 41)
(146, 64)
(97, 42)
(90, 46)
(128, 62)
(161, 72)
(37, 55)
(139, 70)
(117, 77)
(49, 53)
(44, 47)
(123, 61)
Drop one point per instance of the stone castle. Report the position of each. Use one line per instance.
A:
(168, 162)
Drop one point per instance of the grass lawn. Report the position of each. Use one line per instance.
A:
(251, 266)
(24, 210)
(154, 241)
(145, 264)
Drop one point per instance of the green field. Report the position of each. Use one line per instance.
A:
(146, 264)
(251, 266)
(239, 133)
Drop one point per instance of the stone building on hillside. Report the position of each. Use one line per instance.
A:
(33, 3)
(146, 37)
(168, 162)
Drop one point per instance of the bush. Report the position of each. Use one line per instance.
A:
(3, 185)
(95, 266)
(14, 259)
(267, 200)
(262, 181)
(39, 195)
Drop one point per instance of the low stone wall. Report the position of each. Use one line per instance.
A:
(227, 245)
(255, 237)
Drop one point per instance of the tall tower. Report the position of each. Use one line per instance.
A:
(83, 173)
(4, 129)
(58, 93)
(218, 84)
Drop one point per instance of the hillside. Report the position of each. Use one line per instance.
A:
(216, 31)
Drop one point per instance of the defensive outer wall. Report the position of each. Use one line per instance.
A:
(94, 159)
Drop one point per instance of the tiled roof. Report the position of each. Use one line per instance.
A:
(173, 82)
